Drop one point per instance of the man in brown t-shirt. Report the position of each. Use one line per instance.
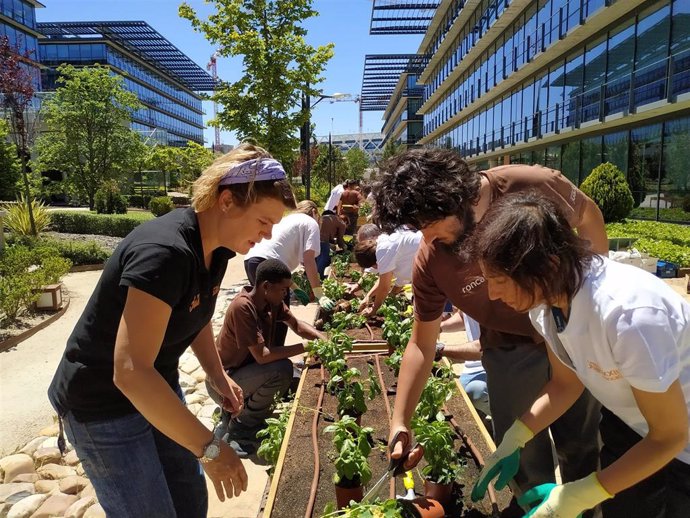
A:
(434, 190)
(247, 351)
(332, 229)
(349, 205)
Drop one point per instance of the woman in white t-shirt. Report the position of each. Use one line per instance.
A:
(295, 240)
(615, 329)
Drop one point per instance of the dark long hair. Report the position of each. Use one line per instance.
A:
(526, 237)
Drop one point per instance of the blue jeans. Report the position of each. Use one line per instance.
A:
(137, 471)
(477, 390)
(324, 258)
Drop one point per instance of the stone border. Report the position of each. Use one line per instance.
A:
(15, 340)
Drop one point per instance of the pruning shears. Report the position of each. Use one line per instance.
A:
(395, 466)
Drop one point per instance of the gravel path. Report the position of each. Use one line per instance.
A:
(108, 242)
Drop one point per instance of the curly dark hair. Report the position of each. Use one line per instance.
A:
(421, 186)
(273, 271)
(526, 237)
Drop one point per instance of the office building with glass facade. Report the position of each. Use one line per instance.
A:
(568, 84)
(370, 143)
(164, 79)
(18, 25)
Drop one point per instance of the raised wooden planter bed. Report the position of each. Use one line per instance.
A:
(302, 482)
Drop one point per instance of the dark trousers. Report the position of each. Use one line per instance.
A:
(515, 377)
(666, 494)
(250, 266)
(324, 258)
(351, 222)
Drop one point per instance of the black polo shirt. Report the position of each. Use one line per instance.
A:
(164, 258)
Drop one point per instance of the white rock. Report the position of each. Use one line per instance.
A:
(78, 508)
(4, 509)
(80, 470)
(13, 492)
(34, 444)
(47, 486)
(207, 423)
(186, 380)
(188, 390)
(47, 455)
(55, 471)
(71, 459)
(195, 398)
(51, 430)
(189, 365)
(27, 506)
(95, 511)
(201, 388)
(88, 491)
(199, 375)
(55, 505)
(27, 477)
(208, 410)
(194, 408)
(16, 464)
(50, 442)
(73, 485)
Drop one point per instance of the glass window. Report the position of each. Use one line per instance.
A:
(556, 92)
(553, 157)
(620, 65)
(570, 161)
(675, 182)
(680, 38)
(616, 150)
(645, 165)
(574, 71)
(595, 73)
(652, 49)
(591, 155)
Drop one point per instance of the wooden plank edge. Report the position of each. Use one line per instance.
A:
(17, 339)
(275, 479)
(478, 420)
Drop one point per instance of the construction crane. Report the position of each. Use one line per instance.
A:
(214, 73)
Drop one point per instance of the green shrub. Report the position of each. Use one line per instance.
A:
(607, 186)
(686, 203)
(99, 224)
(23, 271)
(108, 199)
(160, 205)
(17, 219)
(180, 199)
(665, 250)
(80, 252)
(677, 234)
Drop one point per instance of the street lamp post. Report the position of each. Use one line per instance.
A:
(306, 132)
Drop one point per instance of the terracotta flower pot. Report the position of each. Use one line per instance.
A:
(343, 495)
(440, 492)
(423, 507)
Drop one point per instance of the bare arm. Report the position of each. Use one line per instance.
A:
(462, 353)
(310, 268)
(205, 350)
(667, 417)
(304, 330)
(379, 291)
(557, 396)
(264, 354)
(593, 229)
(453, 323)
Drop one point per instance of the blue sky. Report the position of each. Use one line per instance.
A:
(343, 22)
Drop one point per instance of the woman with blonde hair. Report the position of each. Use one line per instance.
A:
(296, 240)
(116, 389)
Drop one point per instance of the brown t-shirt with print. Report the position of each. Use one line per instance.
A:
(245, 326)
(439, 275)
(351, 197)
(332, 228)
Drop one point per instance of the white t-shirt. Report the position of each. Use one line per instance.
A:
(334, 197)
(627, 328)
(395, 253)
(291, 237)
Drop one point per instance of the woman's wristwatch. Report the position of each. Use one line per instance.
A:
(211, 451)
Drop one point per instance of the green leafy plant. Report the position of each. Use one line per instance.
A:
(17, 219)
(108, 199)
(73, 222)
(330, 350)
(342, 320)
(300, 280)
(340, 264)
(333, 289)
(665, 250)
(437, 438)
(367, 281)
(374, 385)
(352, 447)
(387, 509)
(436, 392)
(355, 275)
(607, 186)
(349, 391)
(272, 437)
(365, 209)
(674, 233)
(160, 205)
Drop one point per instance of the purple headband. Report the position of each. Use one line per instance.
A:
(254, 170)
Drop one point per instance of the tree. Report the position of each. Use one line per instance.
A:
(88, 136)
(17, 89)
(192, 160)
(279, 67)
(357, 161)
(9, 165)
(606, 185)
(390, 150)
(320, 171)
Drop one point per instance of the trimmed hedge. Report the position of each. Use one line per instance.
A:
(79, 252)
(88, 223)
(607, 186)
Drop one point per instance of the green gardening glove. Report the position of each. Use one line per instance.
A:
(301, 295)
(564, 501)
(504, 462)
(325, 303)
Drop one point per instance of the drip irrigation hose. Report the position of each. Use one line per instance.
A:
(384, 394)
(371, 332)
(315, 443)
(478, 457)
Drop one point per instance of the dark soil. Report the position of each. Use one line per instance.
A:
(361, 333)
(295, 481)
